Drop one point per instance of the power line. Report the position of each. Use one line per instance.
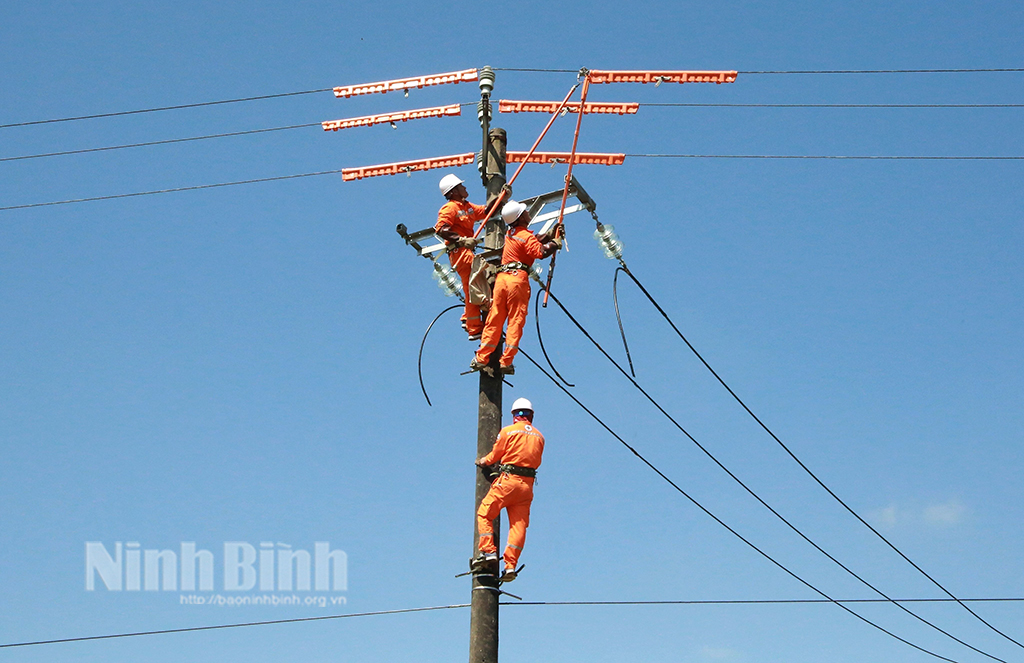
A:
(183, 188)
(825, 156)
(717, 519)
(753, 494)
(885, 71)
(807, 469)
(750, 601)
(682, 105)
(164, 108)
(159, 142)
(223, 626)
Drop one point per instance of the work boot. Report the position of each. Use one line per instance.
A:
(463, 322)
(477, 366)
(508, 370)
(509, 575)
(475, 336)
(484, 563)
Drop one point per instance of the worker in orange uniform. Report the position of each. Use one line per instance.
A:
(511, 299)
(517, 453)
(454, 225)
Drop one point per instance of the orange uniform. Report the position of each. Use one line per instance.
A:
(522, 445)
(511, 296)
(458, 216)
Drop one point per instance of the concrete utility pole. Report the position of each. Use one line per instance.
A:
(483, 625)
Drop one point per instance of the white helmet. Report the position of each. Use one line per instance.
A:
(511, 211)
(522, 404)
(449, 182)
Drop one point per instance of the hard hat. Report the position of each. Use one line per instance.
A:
(522, 404)
(449, 182)
(511, 211)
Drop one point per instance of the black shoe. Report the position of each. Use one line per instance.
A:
(508, 370)
(509, 575)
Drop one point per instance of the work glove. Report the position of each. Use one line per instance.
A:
(468, 242)
(557, 241)
(507, 188)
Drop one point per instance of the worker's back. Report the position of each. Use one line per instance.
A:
(519, 444)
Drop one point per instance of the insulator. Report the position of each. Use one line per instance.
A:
(536, 270)
(447, 280)
(609, 241)
(482, 110)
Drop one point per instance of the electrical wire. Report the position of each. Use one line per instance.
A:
(806, 469)
(159, 142)
(687, 105)
(223, 626)
(812, 156)
(757, 497)
(884, 71)
(618, 319)
(718, 520)
(419, 361)
(165, 108)
(183, 188)
(749, 601)
(540, 339)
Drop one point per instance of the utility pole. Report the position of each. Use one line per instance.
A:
(483, 625)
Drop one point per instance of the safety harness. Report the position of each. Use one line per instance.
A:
(518, 469)
(513, 266)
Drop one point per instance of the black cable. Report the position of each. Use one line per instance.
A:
(757, 497)
(184, 188)
(165, 108)
(221, 626)
(807, 469)
(419, 361)
(839, 105)
(720, 521)
(540, 339)
(810, 156)
(882, 71)
(749, 601)
(618, 319)
(159, 142)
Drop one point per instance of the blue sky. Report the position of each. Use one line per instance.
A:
(239, 364)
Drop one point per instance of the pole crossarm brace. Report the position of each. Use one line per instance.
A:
(452, 161)
(588, 158)
(599, 107)
(391, 118)
(659, 77)
(383, 87)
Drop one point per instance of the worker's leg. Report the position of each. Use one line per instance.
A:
(518, 305)
(518, 521)
(495, 320)
(462, 263)
(490, 507)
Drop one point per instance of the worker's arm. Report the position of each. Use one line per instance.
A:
(497, 452)
(443, 228)
(535, 249)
